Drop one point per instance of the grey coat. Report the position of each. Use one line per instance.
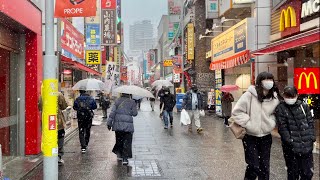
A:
(120, 118)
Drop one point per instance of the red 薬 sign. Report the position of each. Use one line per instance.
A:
(307, 80)
(75, 8)
(71, 39)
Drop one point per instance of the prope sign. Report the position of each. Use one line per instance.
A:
(75, 8)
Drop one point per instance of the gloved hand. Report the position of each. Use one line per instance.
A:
(109, 127)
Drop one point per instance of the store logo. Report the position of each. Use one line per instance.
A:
(288, 18)
(309, 8)
(307, 78)
(75, 2)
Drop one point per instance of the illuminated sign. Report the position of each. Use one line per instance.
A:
(167, 63)
(190, 43)
(309, 8)
(307, 80)
(287, 18)
(93, 57)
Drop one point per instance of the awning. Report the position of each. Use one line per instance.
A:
(235, 60)
(79, 66)
(298, 40)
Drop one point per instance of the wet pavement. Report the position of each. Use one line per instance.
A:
(175, 153)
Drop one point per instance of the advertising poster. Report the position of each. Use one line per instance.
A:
(109, 29)
(218, 77)
(177, 62)
(124, 73)
(93, 34)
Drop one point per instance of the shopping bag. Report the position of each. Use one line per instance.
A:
(184, 117)
(238, 131)
(202, 113)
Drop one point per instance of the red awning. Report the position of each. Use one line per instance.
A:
(298, 40)
(235, 60)
(79, 66)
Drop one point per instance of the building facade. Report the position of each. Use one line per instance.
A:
(141, 36)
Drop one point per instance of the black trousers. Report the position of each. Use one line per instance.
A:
(257, 156)
(226, 120)
(123, 146)
(61, 134)
(84, 132)
(298, 166)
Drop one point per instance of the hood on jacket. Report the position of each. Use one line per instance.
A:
(252, 90)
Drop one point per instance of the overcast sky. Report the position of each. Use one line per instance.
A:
(138, 10)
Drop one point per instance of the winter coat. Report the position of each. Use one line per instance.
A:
(257, 118)
(226, 103)
(169, 101)
(84, 105)
(187, 101)
(104, 101)
(296, 129)
(120, 118)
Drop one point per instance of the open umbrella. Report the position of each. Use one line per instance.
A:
(89, 85)
(134, 90)
(229, 88)
(160, 83)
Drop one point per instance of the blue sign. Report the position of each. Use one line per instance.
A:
(93, 34)
(240, 38)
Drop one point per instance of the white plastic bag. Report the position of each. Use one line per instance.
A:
(202, 113)
(184, 117)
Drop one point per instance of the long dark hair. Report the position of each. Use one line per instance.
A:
(259, 88)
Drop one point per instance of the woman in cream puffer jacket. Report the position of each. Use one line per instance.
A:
(255, 112)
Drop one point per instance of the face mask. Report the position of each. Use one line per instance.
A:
(267, 85)
(166, 93)
(290, 101)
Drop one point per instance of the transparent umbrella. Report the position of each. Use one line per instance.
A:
(89, 85)
(160, 83)
(134, 90)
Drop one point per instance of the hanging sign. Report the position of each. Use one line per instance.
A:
(109, 30)
(108, 4)
(93, 57)
(75, 8)
(190, 43)
(71, 39)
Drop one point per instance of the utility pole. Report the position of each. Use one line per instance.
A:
(49, 99)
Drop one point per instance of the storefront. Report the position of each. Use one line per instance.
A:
(295, 41)
(20, 76)
(230, 58)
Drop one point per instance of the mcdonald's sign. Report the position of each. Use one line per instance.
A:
(307, 80)
(289, 21)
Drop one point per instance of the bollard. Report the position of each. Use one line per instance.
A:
(1, 169)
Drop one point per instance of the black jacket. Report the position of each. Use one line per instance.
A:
(296, 129)
(169, 101)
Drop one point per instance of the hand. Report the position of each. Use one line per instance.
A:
(109, 127)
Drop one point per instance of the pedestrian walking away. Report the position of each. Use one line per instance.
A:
(226, 103)
(193, 103)
(84, 105)
(297, 130)
(104, 104)
(168, 102)
(152, 100)
(255, 112)
(121, 121)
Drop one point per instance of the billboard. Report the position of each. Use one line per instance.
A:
(93, 34)
(75, 8)
(109, 28)
(307, 80)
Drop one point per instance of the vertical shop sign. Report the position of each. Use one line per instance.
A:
(93, 57)
(94, 19)
(92, 34)
(119, 27)
(240, 38)
(190, 43)
(307, 80)
(124, 73)
(109, 30)
(177, 61)
(218, 77)
(103, 70)
(75, 8)
(116, 55)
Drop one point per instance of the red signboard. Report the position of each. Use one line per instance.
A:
(71, 39)
(75, 8)
(52, 122)
(177, 62)
(124, 73)
(108, 4)
(289, 21)
(307, 80)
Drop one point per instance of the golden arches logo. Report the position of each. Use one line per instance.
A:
(288, 18)
(307, 77)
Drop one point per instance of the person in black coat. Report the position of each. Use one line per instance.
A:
(168, 101)
(296, 127)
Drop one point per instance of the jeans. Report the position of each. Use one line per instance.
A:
(123, 146)
(166, 116)
(84, 132)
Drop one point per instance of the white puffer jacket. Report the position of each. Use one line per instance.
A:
(260, 120)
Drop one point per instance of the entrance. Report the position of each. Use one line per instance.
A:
(9, 106)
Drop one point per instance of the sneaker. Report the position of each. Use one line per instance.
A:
(60, 162)
(125, 162)
(119, 158)
(83, 151)
(165, 127)
(199, 130)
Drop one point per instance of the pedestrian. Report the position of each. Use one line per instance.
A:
(254, 111)
(226, 103)
(104, 104)
(168, 102)
(121, 121)
(84, 105)
(152, 100)
(297, 131)
(193, 103)
(137, 100)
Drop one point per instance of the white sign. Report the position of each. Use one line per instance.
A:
(310, 7)
(176, 78)
(243, 1)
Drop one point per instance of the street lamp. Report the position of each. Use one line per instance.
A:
(217, 26)
(201, 36)
(210, 31)
(223, 19)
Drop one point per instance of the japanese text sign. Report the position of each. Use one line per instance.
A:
(108, 4)
(190, 43)
(75, 8)
(167, 63)
(93, 57)
(93, 34)
(71, 39)
(109, 30)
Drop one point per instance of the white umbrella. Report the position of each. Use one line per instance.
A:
(134, 90)
(160, 83)
(89, 85)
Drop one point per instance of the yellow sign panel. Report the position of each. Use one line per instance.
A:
(167, 63)
(190, 43)
(287, 18)
(307, 77)
(93, 57)
(103, 70)
(116, 56)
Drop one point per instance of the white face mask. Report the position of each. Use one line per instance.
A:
(267, 84)
(290, 101)
(166, 93)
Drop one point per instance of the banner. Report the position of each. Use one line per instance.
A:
(93, 57)
(119, 22)
(71, 39)
(93, 34)
(177, 62)
(124, 73)
(75, 8)
(109, 30)
(108, 4)
(190, 43)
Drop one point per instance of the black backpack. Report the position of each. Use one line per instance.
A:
(85, 111)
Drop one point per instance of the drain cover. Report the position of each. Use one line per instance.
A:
(145, 168)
